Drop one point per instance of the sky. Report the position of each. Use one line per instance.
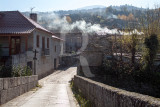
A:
(52, 5)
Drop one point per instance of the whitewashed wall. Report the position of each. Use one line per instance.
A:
(44, 64)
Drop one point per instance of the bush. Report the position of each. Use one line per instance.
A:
(117, 68)
(16, 71)
(5, 71)
(26, 71)
(9, 71)
(151, 44)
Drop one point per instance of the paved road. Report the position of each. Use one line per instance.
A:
(55, 92)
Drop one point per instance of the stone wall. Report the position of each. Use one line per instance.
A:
(16, 86)
(92, 57)
(102, 95)
(68, 60)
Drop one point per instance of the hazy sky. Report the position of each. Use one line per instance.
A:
(50, 5)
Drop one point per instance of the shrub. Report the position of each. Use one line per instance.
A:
(9, 71)
(21, 71)
(16, 71)
(151, 44)
(26, 71)
(5, 71)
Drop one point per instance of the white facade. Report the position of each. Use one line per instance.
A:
(45, 62)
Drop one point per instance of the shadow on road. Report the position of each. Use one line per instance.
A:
(65, 68)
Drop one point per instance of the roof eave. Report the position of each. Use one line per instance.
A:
(45, 31)
(13, 34)
(58, 39)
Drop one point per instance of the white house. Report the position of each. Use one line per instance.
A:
(20, 36)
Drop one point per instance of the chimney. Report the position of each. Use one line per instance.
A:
(33, 16)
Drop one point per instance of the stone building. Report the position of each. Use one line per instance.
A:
(72, 41)
(91, 58)
(20, 36)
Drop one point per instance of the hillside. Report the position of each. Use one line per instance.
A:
(116, 16)
(91, 7)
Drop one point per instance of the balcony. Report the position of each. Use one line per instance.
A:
(45, 52)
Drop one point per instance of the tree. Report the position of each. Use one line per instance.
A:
(151, 44)
(68, 18)
(109, 9)
(124, 8)
(150, 25)
(131, 17)
(129, 45)
(150, 21)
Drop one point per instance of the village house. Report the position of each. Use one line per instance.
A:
(24, 42)
(72, 41)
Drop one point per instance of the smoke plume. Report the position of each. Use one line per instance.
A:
(57, 23)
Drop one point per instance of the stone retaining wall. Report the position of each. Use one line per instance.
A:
(16, 86)
(102, 95)
(68, 60)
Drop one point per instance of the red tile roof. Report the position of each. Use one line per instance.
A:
(13, 22)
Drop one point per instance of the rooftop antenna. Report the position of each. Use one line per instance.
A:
(32, 9)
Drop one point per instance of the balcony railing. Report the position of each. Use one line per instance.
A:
(45, 52)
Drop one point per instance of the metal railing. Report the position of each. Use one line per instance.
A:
(45, 52)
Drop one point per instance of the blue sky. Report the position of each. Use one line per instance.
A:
(50, 5)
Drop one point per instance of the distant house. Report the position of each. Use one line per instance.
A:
(72, 41)
(20, 36)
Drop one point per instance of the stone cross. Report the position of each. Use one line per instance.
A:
(35, 58)
(35, 54)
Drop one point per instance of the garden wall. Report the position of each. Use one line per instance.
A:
(16, 86)
(68, 60)
(102, 95)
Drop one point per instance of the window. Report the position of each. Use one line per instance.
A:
(55, 48)
(15, 45)
(47, 42)
(37, 41)
(43, 43)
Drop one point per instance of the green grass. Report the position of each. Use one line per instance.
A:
(38, 85)
(83, 102)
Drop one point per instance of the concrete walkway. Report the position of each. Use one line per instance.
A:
(55, 92)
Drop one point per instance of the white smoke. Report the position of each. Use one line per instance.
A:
(55, 22)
